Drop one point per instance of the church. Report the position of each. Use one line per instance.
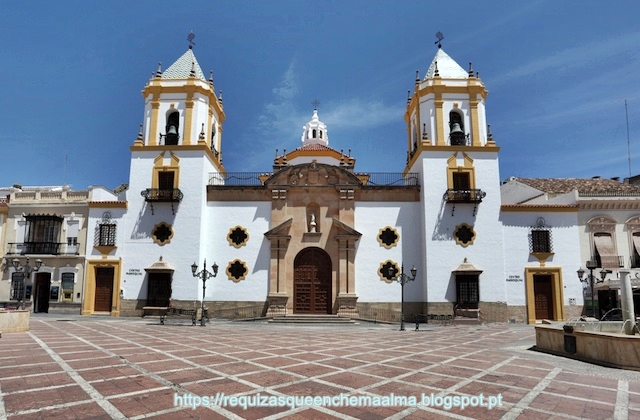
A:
(312, 235)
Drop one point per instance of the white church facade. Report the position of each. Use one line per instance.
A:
(312, 235)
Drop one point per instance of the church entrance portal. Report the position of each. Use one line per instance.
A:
(312, 282)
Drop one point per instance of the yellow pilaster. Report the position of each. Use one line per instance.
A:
(188, 119)
(439, 121)
(153, 127)
(475, 124)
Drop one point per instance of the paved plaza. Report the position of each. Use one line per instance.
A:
(100, 367)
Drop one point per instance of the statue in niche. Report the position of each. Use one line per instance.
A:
(312, 225)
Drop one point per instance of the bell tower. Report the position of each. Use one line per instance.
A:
(173, 159)
(450, 145)
(181, 109)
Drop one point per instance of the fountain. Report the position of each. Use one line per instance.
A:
(608, 343)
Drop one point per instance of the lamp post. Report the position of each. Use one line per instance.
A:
(591, 280)
(403, 279)
(204, 274)
(26, 271)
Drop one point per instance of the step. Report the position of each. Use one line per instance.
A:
(461, 320)
(311, 319)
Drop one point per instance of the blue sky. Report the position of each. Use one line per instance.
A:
(558, 74)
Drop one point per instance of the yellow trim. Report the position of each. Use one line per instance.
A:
(108, 204)
(452, 167)
(542, 257)
(158, 166)
(188, 119)
(382, 243)
(191, 147)
(439, 102)
(458, 241)
(231, 242)
(379, 270)
(475, 126)
(157, 89)
(556, 290)
(166, 241)
(153, 124)
(439, 88)
(105, 250)
(232, 278)
(88, 301)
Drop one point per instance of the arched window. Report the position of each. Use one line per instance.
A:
(320, 133)
(173, 124)
(314, 133)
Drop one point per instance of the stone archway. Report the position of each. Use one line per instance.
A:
(312, 282)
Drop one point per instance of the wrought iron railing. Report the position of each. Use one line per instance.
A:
(378, 314)
(244, 312)
(47, 248)
(237, 178)
(162, 195)
(609, 193)
(464, 196)
(369, 179)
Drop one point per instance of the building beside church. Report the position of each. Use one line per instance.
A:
(312, 235)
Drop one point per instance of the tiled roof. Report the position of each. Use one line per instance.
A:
(591, 186)
(181, 69)
(315, 147)
(447, 67)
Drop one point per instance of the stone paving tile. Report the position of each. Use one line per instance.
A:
(135, 369)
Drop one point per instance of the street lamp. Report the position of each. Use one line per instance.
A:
(26, 271)
(204, 274)
(403, 279)
(591, 264)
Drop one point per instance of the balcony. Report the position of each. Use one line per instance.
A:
(470, 196)
(42, 248)
(161, 195)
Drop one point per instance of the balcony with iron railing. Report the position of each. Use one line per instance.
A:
(42, 248)
(162, 195)
(464, 196)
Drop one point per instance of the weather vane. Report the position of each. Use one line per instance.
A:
(440, 38)
(190, 38)
(315, 104)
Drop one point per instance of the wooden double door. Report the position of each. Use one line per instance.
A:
(312, 282)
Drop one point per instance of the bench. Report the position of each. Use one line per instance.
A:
(163, 312)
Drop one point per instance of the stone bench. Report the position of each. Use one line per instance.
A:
(164, 311)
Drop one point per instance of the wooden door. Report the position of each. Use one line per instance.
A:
(104, 289)
(543, 293)
(312, 282)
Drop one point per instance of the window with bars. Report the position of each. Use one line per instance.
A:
(106, 234)
(540, 241)
(467, 291)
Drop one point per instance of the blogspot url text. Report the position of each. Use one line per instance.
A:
(342, 400)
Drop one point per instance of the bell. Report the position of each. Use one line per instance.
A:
(172, 130)
(457, 135)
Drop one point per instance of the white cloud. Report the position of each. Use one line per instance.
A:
(358, 113)
(597, 52)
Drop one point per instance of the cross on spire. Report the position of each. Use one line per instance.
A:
(190, 38)
(316, 104)
(440, 38)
